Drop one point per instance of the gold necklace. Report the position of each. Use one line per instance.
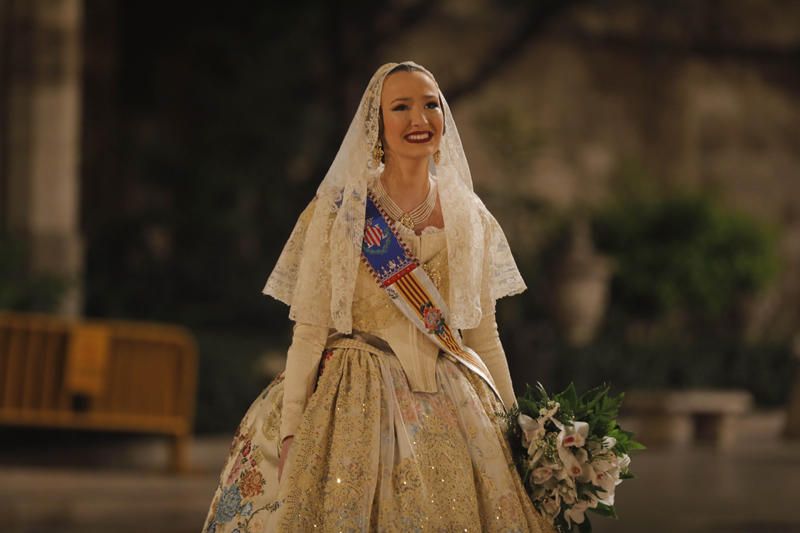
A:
(410, 219)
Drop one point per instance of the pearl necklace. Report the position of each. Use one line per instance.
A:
(410, 219)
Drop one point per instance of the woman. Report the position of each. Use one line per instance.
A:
(385, 419)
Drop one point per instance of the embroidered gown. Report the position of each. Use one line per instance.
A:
(394, 436)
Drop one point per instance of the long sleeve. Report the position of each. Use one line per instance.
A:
(302, 363)
(485, 340)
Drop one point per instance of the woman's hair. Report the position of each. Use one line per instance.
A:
(404, 67)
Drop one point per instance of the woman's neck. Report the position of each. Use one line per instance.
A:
(406, 182)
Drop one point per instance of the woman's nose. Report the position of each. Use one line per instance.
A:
(418, 118)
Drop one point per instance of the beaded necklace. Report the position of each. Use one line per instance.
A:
(410, 219)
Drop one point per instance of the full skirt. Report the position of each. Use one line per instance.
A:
(372, 455)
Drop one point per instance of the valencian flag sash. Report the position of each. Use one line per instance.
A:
(399, 273)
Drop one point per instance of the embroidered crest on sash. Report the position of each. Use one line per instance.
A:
(432, 317)
(374, 237)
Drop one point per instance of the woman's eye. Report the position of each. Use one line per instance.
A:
(400, 107)
(432, 105)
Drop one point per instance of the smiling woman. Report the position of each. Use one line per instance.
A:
(413, 125)
(385, 418)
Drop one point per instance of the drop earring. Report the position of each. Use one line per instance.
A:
(377, 153)
(437, 156)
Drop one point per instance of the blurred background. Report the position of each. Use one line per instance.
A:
(643, 158)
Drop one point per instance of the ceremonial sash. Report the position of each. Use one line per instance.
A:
(399, 273)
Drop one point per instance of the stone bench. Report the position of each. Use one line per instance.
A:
(680, 417)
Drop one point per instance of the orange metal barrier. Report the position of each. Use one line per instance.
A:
(104, 375)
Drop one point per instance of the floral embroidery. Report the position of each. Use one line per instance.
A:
(246, 494)
(228, 505)
(440, 459)
(251, 483)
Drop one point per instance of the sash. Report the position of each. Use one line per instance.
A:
(399, 273)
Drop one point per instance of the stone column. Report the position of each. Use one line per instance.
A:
(41, 102)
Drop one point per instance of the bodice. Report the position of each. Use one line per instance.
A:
(375, 314)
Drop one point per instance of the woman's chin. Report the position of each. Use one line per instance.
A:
(416, 155)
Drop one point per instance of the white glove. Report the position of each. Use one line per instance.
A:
(302, 364)
(485, 340)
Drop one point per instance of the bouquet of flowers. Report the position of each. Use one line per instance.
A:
(570, 452)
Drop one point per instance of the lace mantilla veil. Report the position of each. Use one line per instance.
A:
(316, 272)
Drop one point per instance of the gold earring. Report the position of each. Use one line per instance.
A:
(377, 153)
(437, 156)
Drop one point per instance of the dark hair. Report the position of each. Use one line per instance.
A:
(405, 67)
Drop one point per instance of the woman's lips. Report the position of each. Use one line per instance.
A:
(419, 137)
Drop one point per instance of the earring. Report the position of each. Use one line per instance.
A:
(437, 156)
(377, 153)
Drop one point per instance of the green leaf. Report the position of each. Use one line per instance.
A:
(606, 510)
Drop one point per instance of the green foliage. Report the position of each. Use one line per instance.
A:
(597, 407)
(683, 263)
(682, 252)
(21, 289)
(716, 361)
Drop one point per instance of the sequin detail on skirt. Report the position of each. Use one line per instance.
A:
(372, 455)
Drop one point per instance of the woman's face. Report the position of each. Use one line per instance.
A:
(412, 116)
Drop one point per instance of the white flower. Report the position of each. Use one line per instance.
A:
(535, 452)
(532, 430)
(606, 482)
(609, 442)
(576, 512)
(608, 473)
(552, 504)
(591, 499)
(548, 414)
(568, 492)
(575, 434)
(560, 473)
(542, 474)
(570, 462)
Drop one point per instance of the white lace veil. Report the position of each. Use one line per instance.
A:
(316, 272)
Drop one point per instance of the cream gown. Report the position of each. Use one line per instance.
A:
(383, 444)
